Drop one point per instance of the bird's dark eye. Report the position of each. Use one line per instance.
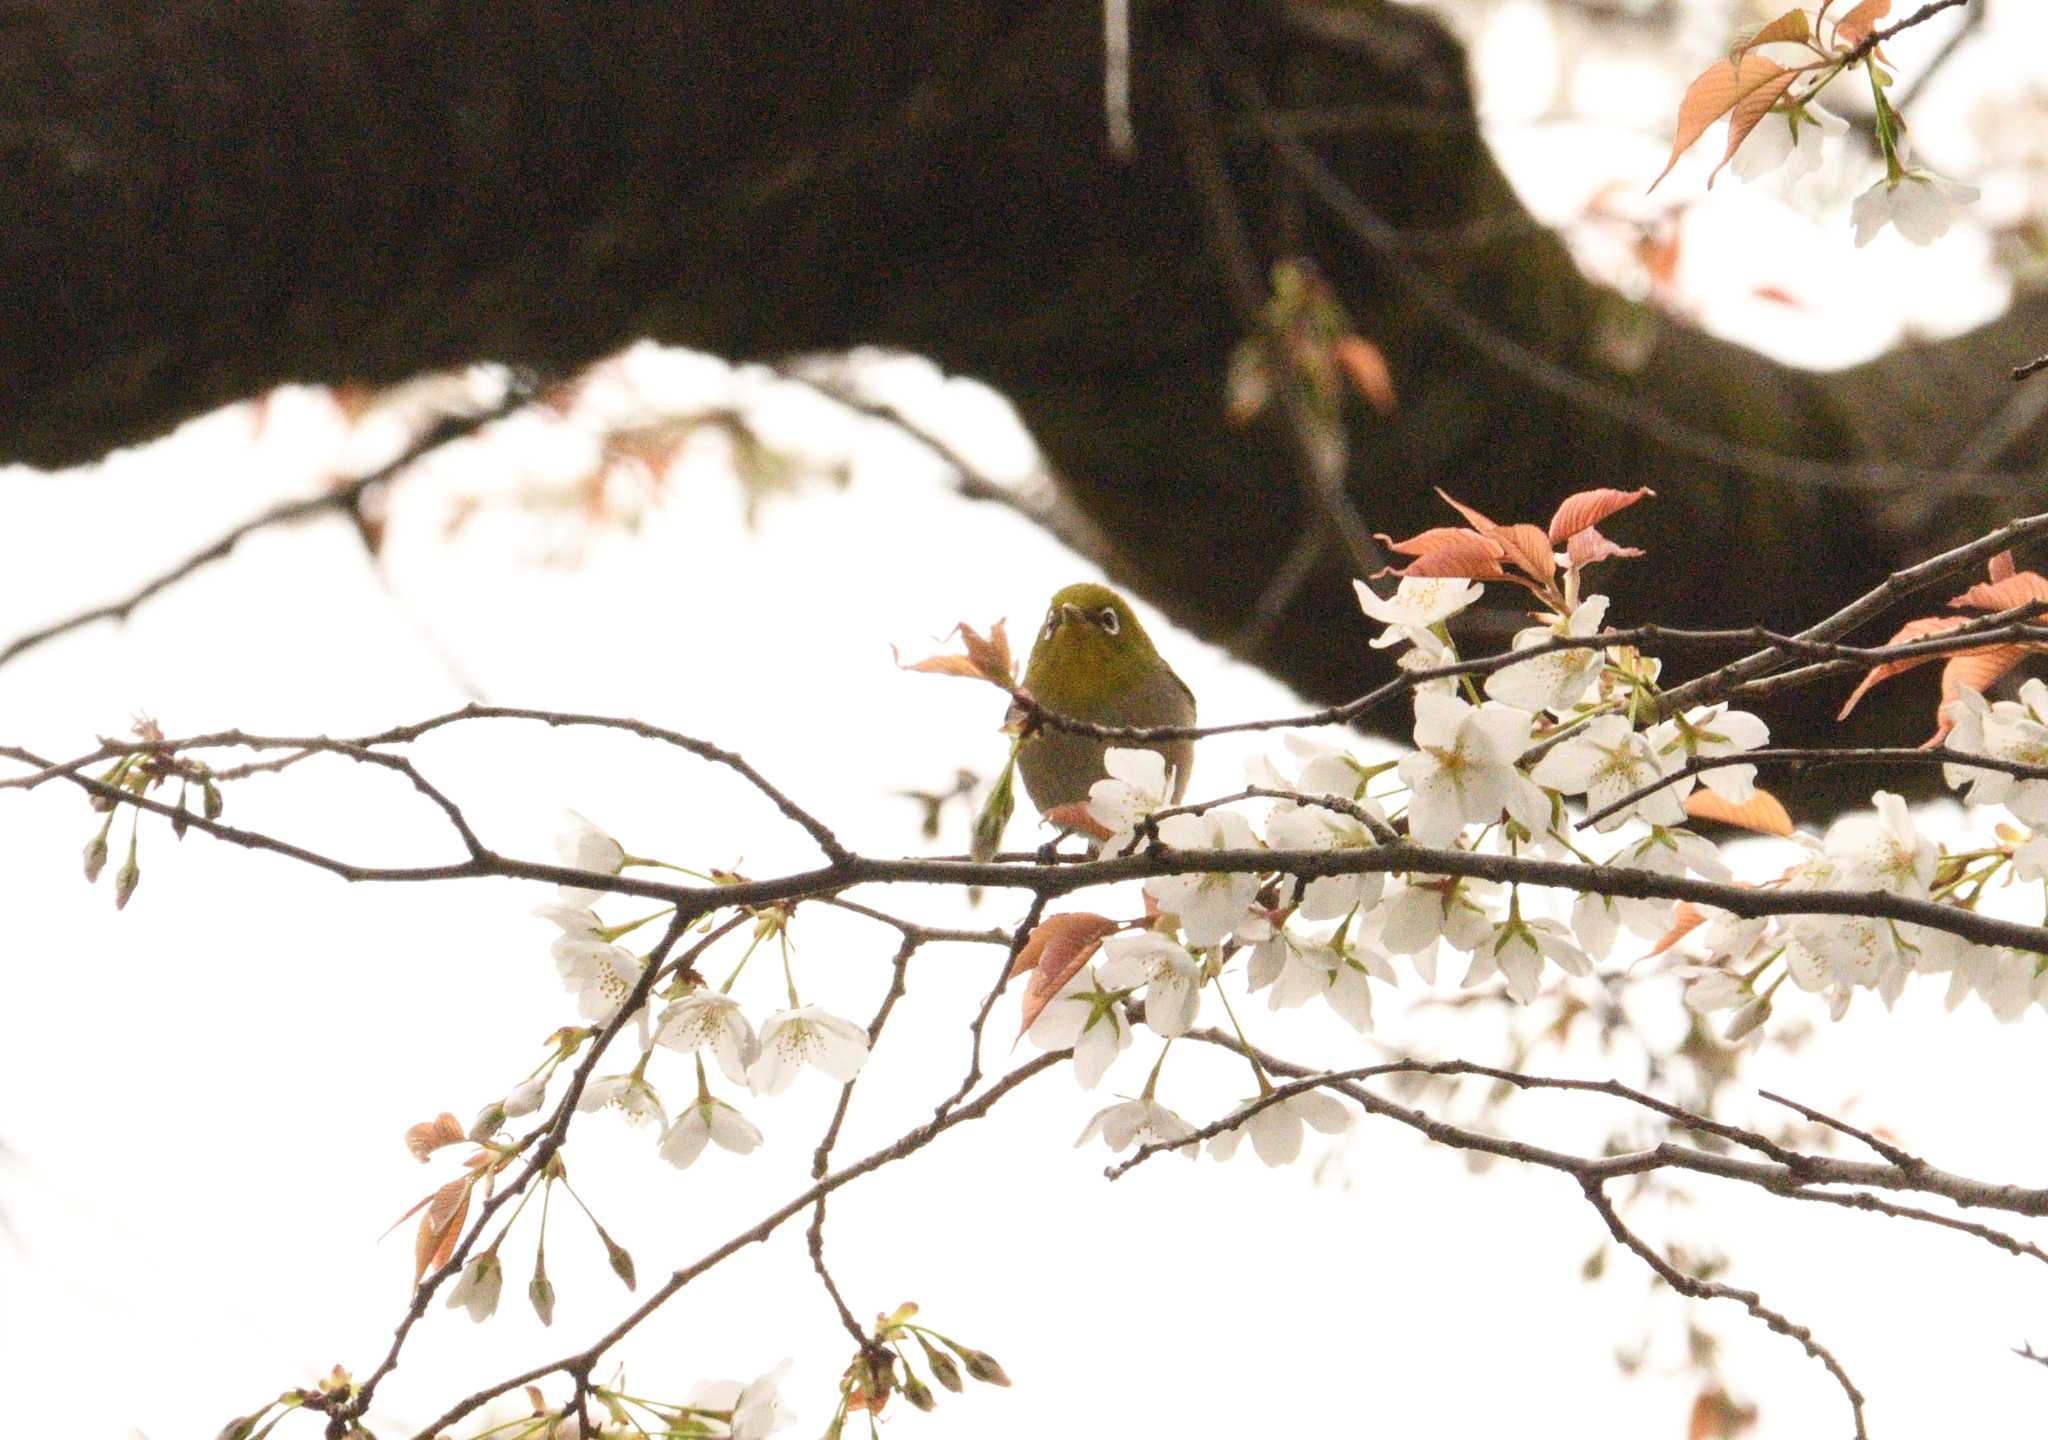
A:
(1108, 619)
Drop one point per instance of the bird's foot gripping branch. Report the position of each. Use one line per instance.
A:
(1543, 832)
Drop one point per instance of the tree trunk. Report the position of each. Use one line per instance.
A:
(202, 201)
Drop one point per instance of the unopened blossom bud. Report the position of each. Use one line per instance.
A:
(983, 1367)
(125, 880)
(488, 1122)
(525, 1097)
(941, 1365)
(214, 804)
(918, 1393)
(95, 857)
(1748, 1019)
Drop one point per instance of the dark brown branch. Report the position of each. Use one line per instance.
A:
(903, 1146)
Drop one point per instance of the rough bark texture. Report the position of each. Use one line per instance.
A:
(199, 201)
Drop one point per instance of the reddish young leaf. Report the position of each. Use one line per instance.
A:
(1855, 27)
(1996, 594)
(1778, 297)
(1366, 368)
(1588, 508)
(1972, 670)
(1922, 629)
(1449, 552)
(1761, 812)
(1719, 89)
(428, 1136)
(2001, 566)
(1058, 934)
(1748, 111)
(1789, 28)
(1589, 547)
(441, 1226)
(986, 658)
(1686, 917)
(1057, 949)
(1525, 547)
(1074, 816)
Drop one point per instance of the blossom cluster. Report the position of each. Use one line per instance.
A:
(1562, 757)
(604, 975)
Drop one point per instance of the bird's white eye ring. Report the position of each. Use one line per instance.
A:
(1108, 619)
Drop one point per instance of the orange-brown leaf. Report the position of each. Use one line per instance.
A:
(1922, 629)
(428, 1136)
(1588, 508)
(1528, 550)
(1686, 917)
(1748, 111)
(984, 658)
(2001, 566)
(1450, 552)
(1761, 812)
(1074, 816)
(1972, 670)
(1525, 547)
(1791, 27)
(1719, 89)
(1855, 27)
(1366, 368)
(440, 1227)
(1589, 547)
(1053, 953)
(2006, 594)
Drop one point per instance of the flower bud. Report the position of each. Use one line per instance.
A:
(983, 1367)
(542, 1293)
(917, 1392)
(125, 880)
(1748, 1019)
(525, 1098)
(95, 857)
(214, 804)
(941, 1365)
(621, 1261)
(488, 1122)
(483, 1280)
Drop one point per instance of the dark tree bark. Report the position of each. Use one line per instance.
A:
(199, 201)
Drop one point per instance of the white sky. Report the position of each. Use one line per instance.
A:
(206, 1095)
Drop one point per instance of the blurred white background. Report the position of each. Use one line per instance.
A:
(203, 1098)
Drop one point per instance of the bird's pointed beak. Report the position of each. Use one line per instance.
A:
(1071, 614)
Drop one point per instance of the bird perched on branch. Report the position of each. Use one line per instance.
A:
(1093, 661)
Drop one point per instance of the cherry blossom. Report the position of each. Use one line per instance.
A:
(1919, 204)
(630, 1095)
(756, 1407)
(1418, 602)
(1707, 733)
(1171, 977)
(1143, 1121)
(706, 1018)
(478, 1287)
(1090, 1019)
(1557, 681)
(1606, 761)
(1276, 1129)
(707, 1120)
(1463, 769)
(1209, 907)
(601, 976)
(1138, 783)
(2015, 730)
(804, 1036)
(1790, 136)
(582, 846)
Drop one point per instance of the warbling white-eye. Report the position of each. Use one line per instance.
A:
(1093, 661)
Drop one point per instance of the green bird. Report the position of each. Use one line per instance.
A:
(1094, 661)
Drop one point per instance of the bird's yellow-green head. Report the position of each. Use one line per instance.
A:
(1090, 649)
